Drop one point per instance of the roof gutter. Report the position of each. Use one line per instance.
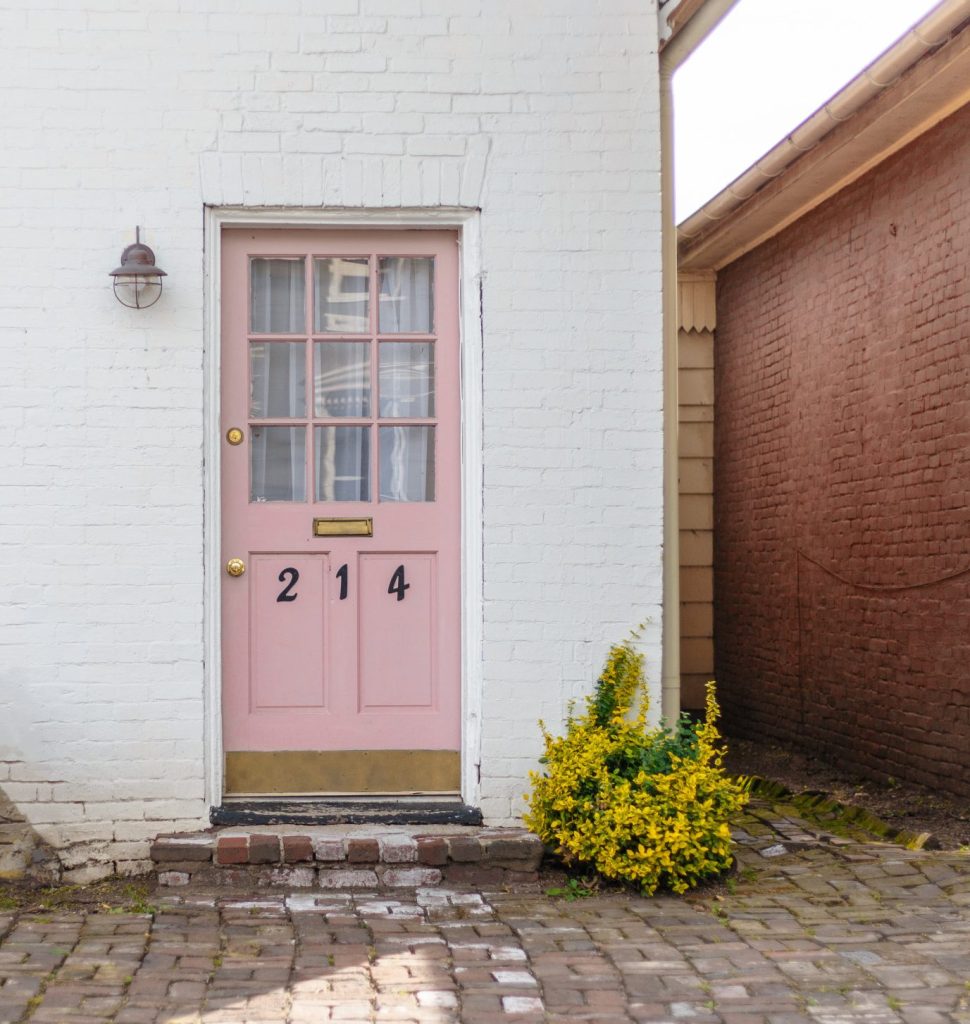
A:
(684, 25)
(930, 32)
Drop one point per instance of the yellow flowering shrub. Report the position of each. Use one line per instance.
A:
(647, 806)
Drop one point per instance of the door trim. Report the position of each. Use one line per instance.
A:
(467, 222)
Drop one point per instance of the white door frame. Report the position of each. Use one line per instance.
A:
(467, 223)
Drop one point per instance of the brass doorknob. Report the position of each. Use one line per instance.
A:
(235, 567)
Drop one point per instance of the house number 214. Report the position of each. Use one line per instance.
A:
(290, 576)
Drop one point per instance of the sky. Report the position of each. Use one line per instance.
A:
(765, 68)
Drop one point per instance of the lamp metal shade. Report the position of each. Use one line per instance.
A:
(137, 281)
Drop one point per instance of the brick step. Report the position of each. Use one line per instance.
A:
(347, 856)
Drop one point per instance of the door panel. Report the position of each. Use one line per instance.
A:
(397, 631)
(340, 369)
(287, 630)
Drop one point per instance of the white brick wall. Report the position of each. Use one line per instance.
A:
(116, 113)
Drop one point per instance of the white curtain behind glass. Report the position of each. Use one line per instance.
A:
(406, 378)
(278, 291)
(406, 294)
(277, 464)
(277, 306)
(407, 463)
(343, 463)
(277, 379)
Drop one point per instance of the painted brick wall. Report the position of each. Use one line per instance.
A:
(842, 472)
(122, 113)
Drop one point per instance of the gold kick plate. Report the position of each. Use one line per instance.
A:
(269, 772)
(343, 527)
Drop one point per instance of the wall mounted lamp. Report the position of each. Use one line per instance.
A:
(138, 282)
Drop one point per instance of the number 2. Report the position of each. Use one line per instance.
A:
(397, 584)
(284, 594)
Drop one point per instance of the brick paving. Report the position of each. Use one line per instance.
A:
(812, 930)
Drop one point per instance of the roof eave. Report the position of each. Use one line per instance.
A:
(916, 83)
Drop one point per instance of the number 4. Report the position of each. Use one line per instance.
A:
(397, 584)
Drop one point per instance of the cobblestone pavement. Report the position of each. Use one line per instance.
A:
(812, 930)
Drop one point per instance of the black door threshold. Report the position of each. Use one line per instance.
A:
(344, 811)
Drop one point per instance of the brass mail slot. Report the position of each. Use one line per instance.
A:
(343, 527)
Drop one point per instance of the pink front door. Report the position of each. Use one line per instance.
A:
(340, 498)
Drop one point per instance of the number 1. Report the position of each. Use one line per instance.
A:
(342, 576)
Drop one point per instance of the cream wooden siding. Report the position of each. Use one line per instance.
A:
(696, 466)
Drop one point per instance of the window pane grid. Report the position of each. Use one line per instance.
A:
(380, 447)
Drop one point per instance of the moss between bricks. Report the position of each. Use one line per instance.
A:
(114, 895)
(842, 819)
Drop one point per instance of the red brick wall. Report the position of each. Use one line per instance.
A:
(842, 473)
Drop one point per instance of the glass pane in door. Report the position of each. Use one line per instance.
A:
(342, 463)
(341, 378)
(406, 378)
(277, 464)
(341, 295)
(407, 463)
(406, 294)
(277, 295)
(277, 379)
